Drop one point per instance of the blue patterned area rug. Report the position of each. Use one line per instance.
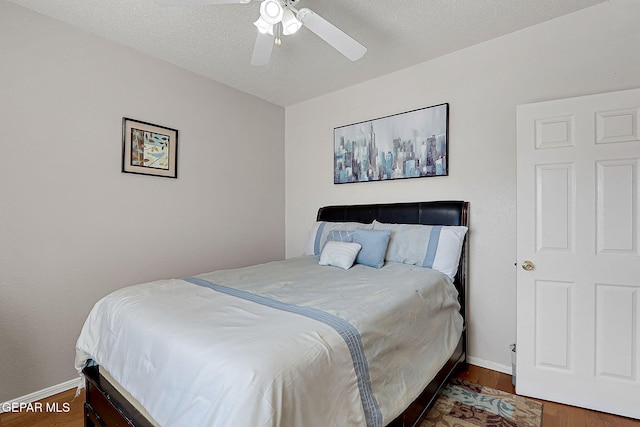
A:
(464, 404)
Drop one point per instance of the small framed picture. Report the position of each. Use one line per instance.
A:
(149, 149)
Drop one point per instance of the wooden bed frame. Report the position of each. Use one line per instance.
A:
(106, 406)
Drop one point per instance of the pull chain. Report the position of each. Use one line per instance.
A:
(278, 30)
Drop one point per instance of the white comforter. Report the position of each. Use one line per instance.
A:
(192, 355)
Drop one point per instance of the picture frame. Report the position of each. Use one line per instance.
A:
(413, 144)
(149, 149)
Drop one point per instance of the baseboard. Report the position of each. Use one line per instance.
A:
(489, 365)
(42, 394)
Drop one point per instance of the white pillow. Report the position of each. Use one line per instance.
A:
(321, 229)
(433, 246)
(339, 254)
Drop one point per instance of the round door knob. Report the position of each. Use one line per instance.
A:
(527, 265)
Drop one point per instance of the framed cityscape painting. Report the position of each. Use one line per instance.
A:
(406, 145)
(149, 149)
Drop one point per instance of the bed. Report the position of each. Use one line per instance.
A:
(331, 362)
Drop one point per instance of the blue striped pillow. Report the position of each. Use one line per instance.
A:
(321, 229)
(432, 246)
(340, 236)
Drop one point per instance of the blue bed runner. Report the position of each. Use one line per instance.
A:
(347, 331)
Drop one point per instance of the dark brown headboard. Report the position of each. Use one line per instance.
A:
(430, 213)
(452, 212)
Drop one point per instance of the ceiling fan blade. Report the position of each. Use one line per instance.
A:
(262, 49)
(197, 2)
(343, 43)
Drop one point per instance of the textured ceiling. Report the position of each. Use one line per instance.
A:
(217, 41)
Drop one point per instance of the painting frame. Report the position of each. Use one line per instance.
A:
(149, 149)
(412, 144)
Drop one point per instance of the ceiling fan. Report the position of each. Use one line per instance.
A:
(281, 17)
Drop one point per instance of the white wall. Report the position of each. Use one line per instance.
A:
(73, 227)
(591, 51)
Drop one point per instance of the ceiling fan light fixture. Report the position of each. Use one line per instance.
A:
(290, 23)
(263, 26)
(271, 11)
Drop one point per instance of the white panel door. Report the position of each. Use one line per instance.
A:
(578, 303)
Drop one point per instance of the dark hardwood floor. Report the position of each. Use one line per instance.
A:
(554, 415)
(42, 418)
